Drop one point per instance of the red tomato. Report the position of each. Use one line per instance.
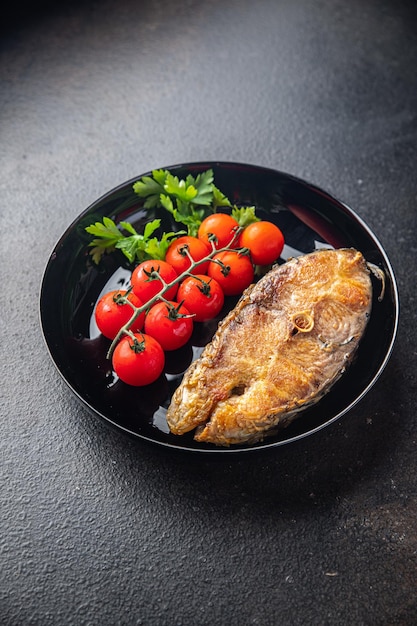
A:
(170, 324)
(179, 249)
(202, 296)
(219, 228)
(138, 361)
(111, 313)
(264, 240)
(235, 272)
(145, 281)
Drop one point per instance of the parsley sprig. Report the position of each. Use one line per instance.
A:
(188, 200)
(135, 246)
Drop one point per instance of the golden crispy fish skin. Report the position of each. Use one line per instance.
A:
(287, 341)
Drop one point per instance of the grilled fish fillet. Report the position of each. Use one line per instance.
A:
(283, 346)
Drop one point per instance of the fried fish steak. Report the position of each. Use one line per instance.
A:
(287, 341)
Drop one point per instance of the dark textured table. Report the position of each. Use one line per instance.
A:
(97, 528)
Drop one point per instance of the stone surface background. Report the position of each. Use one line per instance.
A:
(96, 528)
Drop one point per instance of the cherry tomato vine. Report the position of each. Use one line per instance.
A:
(167, 286)
(181, 277)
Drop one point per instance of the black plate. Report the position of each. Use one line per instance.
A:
(309, 218)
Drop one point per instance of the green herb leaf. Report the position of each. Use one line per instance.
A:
(192, 221)
(135, 246)
(244, 215)
(167, 203)
(219, 199)
(132, 247)
(157, 248)
(106, 229)
(150, 228)
(128, 226)
(106, 237)
(160, 176)
(204, 186)
(150, 188)
(179, 188)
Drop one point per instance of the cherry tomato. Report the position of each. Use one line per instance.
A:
(264, 240)
(202, 296)
(111, 313)
(145, 282)
(179, 249)
(235, 272)
(219, 228)
(170, 324)
(138, 361)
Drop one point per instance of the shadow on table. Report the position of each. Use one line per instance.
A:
(321, 467)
